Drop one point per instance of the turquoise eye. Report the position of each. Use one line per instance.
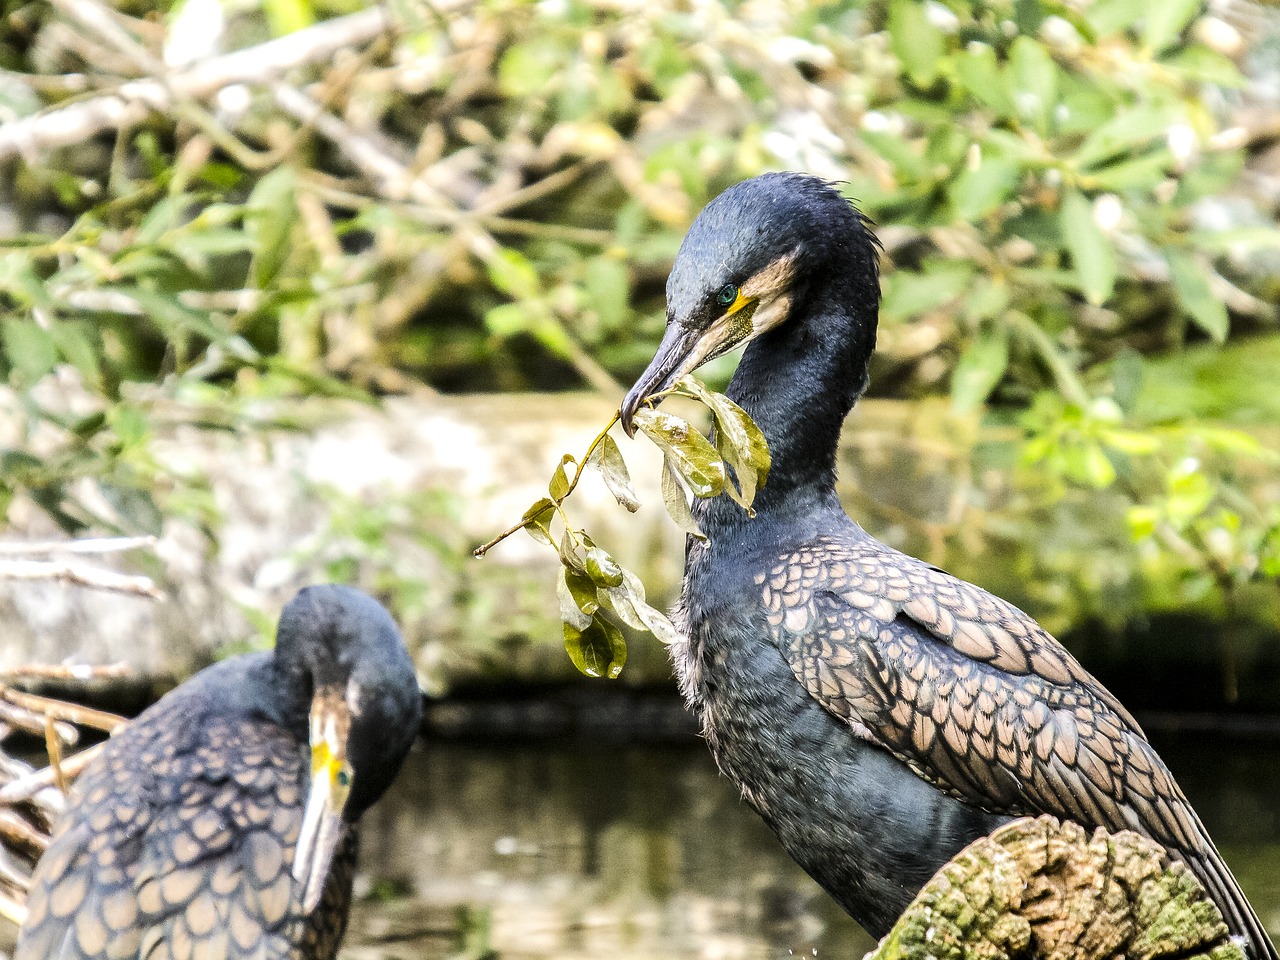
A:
(728, 293)
(344, 778)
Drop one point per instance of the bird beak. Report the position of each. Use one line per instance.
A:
(322, 823)
(676, 356)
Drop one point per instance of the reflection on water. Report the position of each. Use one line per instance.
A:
(645, 852)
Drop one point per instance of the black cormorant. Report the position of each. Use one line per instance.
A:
(878, 713)
(221, 823)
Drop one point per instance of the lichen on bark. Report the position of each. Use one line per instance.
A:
(1047, 889)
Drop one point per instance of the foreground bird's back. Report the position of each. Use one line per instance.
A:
(976, 698)
(179, 841)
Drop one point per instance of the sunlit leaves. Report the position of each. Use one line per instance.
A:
(596, 593)
(29, 349)
(916, 41)
(599, 650)
(1206, 310)
(978, 370)
(689, 454)
(270, 216)
(607, 458)
(1092, 253)
(738, 441)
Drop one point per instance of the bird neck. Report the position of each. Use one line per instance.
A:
(798, 383)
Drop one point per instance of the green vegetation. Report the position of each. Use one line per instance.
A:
(487, 195)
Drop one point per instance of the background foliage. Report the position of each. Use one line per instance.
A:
(1078, 202)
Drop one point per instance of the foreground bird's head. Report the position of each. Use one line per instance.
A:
(756, 257)
(339, 651)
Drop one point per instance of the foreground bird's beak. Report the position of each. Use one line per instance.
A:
(684, 349)
(322, 824)
(676, 356)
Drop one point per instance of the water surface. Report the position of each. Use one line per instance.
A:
(617, 852)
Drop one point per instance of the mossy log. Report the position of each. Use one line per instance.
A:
(1044, 889)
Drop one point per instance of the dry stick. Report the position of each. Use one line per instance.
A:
(23, 788)
(33, 722)
(60, 671)
(12, 911)
(95, 545)
(133, 101)
(16, 830)
(62, 710)
(54, 749)
(80, 576)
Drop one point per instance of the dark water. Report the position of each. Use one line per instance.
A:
(615, 853)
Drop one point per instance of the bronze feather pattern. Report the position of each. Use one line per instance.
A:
(972, 694)
(176, 854)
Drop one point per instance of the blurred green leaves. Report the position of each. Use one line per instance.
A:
(490, 200)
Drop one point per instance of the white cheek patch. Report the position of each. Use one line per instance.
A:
(771, 288)
(769, 314)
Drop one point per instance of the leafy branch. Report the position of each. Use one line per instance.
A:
(593, 588)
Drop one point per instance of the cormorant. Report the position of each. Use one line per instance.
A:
(878, 713)
(222, 822)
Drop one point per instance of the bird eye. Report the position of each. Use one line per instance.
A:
(728, 293)
(344, 778)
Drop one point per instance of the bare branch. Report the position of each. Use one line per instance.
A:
(132, 101)
(80, 576)
(95, 545)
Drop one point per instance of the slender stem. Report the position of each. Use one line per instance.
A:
(481, 550)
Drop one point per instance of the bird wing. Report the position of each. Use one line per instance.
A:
(176, 853)
(967, 690)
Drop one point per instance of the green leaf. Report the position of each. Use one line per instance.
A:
(583, 591)
(1163, 21)
(676, 500)
(509, 319)
(738, 441)
(979, 71)
(571, 612)
(18, 278)
(609, 287)
(79, 347)
(1191, 283)
(628, 601)
(30, 349)
(568, 551)
(1125, 133)
(686, 449)
(286, 16)
(1108, 17)
(909, 293)
(1189, 495)
(530, 67)
(1091, 251)
(979, 369)
(603, 570)
(977, 192)
(597, 651)
(270, 215)
(512, 273)
(607, 458)
(916, 42)
(539, 520)
(559, 485)
(1033, 77)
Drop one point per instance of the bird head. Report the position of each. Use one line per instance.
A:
(747, 265)
(365, 709)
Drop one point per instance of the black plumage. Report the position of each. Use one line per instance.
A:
(878, 713)
(222, 822)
